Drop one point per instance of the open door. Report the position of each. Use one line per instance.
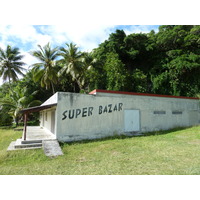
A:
(53, 121)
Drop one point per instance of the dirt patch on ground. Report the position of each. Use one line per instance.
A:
(194, 142)
(82, 159)
(116, 153)
(182, 136)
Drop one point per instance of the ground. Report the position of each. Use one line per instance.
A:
(169, 152)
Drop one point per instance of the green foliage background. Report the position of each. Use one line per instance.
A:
(166, 62)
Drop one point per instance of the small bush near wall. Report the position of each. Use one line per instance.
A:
(33, 123)
(5, 119)
(30, 123)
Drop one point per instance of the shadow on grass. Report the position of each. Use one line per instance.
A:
(6, 127)
(155, 133)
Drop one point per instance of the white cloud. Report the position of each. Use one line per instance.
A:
(24, 35)
(28, 59)
(139, 29)
(86, 36)
(2, 45)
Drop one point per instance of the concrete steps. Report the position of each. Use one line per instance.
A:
(25, 146)
(51, 147)
(28, 144)
(31, 141)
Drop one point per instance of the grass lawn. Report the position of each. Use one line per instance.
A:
(169, 152)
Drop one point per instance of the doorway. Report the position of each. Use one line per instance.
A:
(131, 120)
(53, 121)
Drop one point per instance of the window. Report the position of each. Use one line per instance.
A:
(46, 116)
(177, 112)
(159, 112)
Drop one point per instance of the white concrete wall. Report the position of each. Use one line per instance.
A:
(88, 122)
(46, 119)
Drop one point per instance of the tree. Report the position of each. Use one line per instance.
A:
(180, 75)
(114, 44)
(5, 118)
(31, 87)
(72, 63)
(17, 100)
(45, 72)
(11, 64)
(116, 74)
(92, 71)
(179, 62)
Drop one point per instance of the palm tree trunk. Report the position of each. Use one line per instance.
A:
(53, 89)
(10, 85)
(79, 84)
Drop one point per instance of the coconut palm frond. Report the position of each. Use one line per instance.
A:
(34, 103)
(46, 70)
(11, 64)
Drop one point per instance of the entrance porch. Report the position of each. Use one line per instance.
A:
(37, 133)
(35, 136)
(38, 137)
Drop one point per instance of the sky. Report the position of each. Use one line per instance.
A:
(25, 24)
(86, 36)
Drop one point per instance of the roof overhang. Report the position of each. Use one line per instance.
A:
(37, 108)
(96, 91)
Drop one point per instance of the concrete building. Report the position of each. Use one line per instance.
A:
(71, 116)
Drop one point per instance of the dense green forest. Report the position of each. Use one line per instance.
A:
(166, 62)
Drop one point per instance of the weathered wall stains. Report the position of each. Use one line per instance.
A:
(71, 99)
(81, 116)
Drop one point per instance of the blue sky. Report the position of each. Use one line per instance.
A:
(86, 23)
(87, 37)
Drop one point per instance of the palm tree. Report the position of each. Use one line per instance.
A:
(17, 100)
(90, 65)
(89, 60)
(46, 70)
(11, 64)
(72, 63)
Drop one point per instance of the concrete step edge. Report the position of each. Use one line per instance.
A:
(30, 141)
(28, 148)
(28, 145)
